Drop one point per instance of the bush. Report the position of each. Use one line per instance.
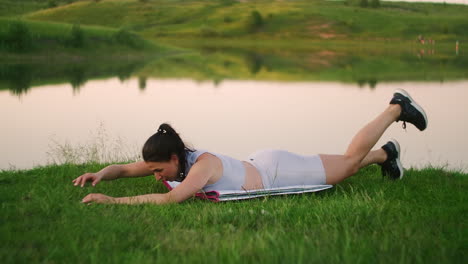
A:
(77, 38)
(18, 38)
(375, 3)
(206, 31)
(126, 38)
(445, 29)
(52, 3)
(254, 21)
(228, 19)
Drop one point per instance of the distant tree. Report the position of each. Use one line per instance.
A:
(77, 37)
(363, 3)
(52, 3)
(18, 37)
(127, 38)
(254, 21)
(228, 19)
(375, 3)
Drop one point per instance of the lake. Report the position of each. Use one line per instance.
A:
(80, 114)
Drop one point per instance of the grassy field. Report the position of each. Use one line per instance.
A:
(366, 219)
(12, 8)
(107, 26)
(325, 20)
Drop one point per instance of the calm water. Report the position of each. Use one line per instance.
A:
(233, 117)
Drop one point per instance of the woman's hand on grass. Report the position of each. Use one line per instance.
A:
(87, 177)
(98, 198)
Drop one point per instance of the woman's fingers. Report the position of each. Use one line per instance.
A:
(84, 178)
(96, 180)
(97, 198)
(77, 181)
(88, 198)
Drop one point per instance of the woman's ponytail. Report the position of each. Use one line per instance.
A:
(163, 144)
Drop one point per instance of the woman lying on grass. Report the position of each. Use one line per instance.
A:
(166, 156)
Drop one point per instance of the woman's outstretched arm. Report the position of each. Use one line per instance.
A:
(115, 171)
(197, 178)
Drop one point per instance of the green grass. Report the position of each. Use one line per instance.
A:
(366, 219)
(49, 37)
(282, 19)
(13, 8)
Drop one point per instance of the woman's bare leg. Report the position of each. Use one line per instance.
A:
(339, 167)
(373, 157)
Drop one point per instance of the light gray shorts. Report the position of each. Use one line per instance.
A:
(280, 168)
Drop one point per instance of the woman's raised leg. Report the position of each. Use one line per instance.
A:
(339, 167)
(402, 108)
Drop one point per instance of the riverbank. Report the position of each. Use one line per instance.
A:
(418, 219)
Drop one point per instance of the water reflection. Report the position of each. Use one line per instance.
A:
(366, 68)
(20, 77)
(142, 83)
(235, 118)
(76, 75)
(372, 83)
(254, 62)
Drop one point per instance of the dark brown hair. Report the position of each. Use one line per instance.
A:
(163, 144)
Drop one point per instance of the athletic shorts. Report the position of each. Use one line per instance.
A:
(280, 168)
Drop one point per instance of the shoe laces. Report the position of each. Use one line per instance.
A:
(403, 124)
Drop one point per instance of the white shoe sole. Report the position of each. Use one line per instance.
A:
(414, 104)
(400, 167)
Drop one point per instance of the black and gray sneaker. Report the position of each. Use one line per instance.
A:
(411, 112)
(392, 166)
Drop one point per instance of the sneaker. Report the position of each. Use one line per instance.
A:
(392, 166)
(411, 112)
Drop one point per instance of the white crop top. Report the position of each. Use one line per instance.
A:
(233, 171)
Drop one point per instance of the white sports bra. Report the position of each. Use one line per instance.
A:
(233, 171)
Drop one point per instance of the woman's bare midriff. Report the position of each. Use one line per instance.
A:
(253, 179)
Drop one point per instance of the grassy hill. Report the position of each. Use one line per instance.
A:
(108, 25)
(26, 40)
(267, 19)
